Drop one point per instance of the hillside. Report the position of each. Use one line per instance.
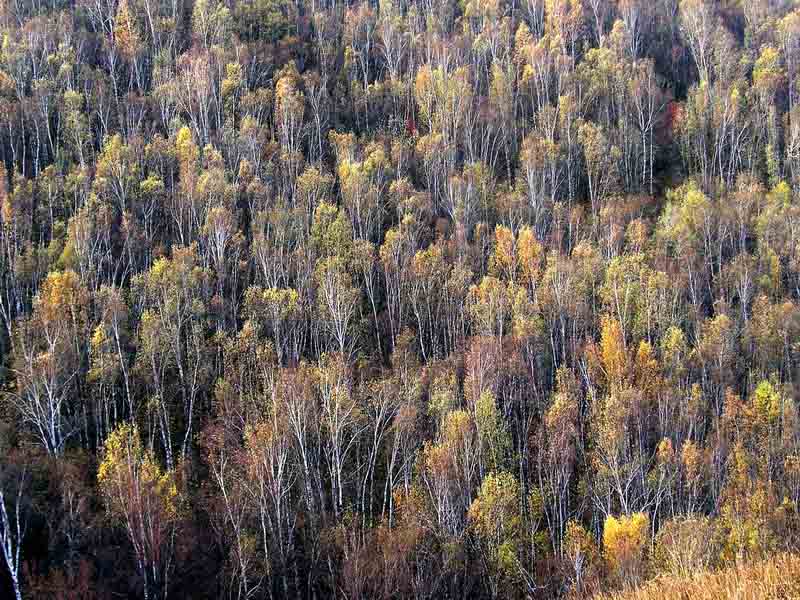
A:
(396, 299)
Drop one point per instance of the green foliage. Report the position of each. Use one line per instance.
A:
(495, 518)
(268, 20)
(491, 430)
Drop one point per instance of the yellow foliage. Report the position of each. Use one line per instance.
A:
(767, 71)
(61, 295)
(129, 475)
(613, 353)
(685, 217)
(503, 261)
(489, 305)
(530, 254)
(187, 150)
(625, 543)
(767, 403)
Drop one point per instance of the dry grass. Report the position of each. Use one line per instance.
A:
(772, 579)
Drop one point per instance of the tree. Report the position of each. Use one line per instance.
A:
(15, 513)
(620, 455)
(581, 551)
(393, 37)
(76, 127)
(223, 244)
(768, 78)
(686, 545)
(338, 300)
(117, 172)
(381, 408)
(489, 306)
(494, 517)
(448, 471)
(271, 472)
(268, 20)
(542, 164)
(362, 183)
(747, 506)
(365, 259)
(359, 37)
(48, 354)
(714, 350)
(493, 438)
(126, 36)
(341, 422)
(405, 298)
(145, 500)
(234, 505)
(211, 23)
(698, 23)
(194, 92)
(557, 457)
(600, 10)
(278, 310)
(647, 100)
(599, 156)
(396, 253)
(172, 341)
(289, 113)
(625, 542)
(428, 277)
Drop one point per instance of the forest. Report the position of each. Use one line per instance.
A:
(399, 299)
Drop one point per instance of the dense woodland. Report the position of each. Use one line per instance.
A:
(396, 299)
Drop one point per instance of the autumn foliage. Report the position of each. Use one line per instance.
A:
(399, 299)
